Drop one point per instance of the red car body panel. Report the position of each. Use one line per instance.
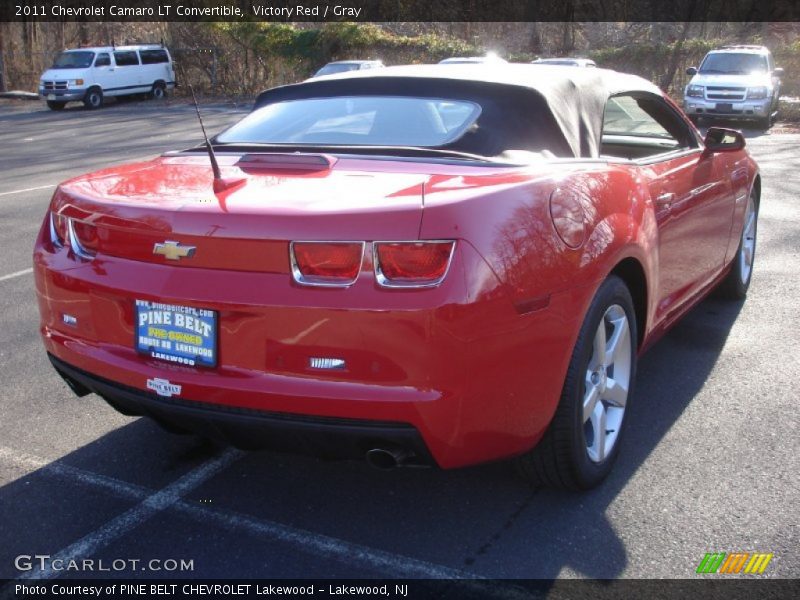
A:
(475, 364)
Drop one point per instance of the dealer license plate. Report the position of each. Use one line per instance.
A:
(178, 334)
(725, 107)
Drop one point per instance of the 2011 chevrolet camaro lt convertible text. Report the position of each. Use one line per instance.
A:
(424, 265)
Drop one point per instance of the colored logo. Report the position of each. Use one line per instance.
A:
(173, 250)
(752, 563)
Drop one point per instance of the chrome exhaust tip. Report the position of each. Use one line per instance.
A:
(386, 459)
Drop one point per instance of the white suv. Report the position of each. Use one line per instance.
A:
(90, 74)
(735, 82)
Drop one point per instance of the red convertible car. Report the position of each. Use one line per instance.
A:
(427, 265)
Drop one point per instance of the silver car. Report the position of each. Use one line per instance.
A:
(735, 82)
(342, 66)
(565, 62)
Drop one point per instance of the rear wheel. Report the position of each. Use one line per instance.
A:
(93, 98)
(582, 442)
(737, 282)
(55, 105)
(159, 91)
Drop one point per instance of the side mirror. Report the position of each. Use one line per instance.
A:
(778, 72)
(691, 71)
(719, 139)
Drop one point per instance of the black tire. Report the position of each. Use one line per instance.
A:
(737, 281)
(764, 123)
(55, 105)
(159, 91)
(93, 98)
(561, 459)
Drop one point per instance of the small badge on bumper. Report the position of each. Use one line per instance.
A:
(163, 387)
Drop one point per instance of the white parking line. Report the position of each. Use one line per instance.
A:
(130, 519)
(22, 459)
(33, 189)
(30, 463)
(394, 565)
(17, 274)
(329, 547)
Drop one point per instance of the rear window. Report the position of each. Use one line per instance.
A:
(356, 120)
(152, 57)
(126, 59)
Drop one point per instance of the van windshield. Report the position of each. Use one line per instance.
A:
(73, 60)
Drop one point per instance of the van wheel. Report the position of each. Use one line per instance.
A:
(93, 99)
(53, 105)
(159, 91)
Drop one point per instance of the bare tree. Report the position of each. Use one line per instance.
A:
(674, 61)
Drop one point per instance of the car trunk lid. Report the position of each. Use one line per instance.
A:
(266, 202)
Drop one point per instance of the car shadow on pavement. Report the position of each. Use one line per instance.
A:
(479, 520)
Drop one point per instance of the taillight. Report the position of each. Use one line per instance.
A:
(412, 264)
(85, 240)
(326, 263)
(58, 229)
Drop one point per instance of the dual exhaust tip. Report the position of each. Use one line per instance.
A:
(386, 459)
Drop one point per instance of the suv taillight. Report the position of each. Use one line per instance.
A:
(412, 264)
(335, 264)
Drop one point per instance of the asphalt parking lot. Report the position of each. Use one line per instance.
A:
(710, 462)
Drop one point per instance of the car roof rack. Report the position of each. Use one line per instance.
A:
(159, 44)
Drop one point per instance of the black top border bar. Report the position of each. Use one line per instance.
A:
(401, 10)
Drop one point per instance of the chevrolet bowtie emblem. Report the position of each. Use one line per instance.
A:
(173, 250)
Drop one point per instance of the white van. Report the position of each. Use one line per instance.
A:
(90, 74)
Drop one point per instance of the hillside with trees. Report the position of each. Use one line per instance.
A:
(240, 59)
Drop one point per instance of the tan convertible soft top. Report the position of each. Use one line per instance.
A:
(574, 97)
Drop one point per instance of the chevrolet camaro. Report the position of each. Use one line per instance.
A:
(425, 265)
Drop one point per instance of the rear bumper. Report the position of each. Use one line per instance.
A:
(457, 365)
(326, 437)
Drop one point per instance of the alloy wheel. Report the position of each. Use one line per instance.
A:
(607, 383)
(748, 242)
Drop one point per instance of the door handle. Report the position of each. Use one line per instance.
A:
(665, 200)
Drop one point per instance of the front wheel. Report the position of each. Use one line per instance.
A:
(93, 99)
(582, 442)
(737, 282)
